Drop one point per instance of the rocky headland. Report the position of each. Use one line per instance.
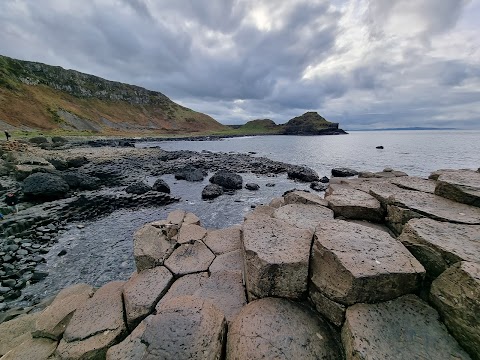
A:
(384, 265)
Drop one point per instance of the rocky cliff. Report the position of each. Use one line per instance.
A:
(44, 97)
(311, 123)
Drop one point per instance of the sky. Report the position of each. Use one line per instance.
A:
(364, 64)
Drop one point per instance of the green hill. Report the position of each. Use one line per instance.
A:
(311, 123)
(35, 96)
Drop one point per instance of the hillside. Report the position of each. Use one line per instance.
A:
(311, 123)
(35, 96)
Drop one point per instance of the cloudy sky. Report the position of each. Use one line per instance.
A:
(365, 64)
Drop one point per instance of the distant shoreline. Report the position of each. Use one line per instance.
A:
(406, 129)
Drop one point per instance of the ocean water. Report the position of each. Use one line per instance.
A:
(416, 152)
(102, 250)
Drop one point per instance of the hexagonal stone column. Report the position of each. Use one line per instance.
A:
(402, 329)
(456, 295)
(273, 328)
(437, 245)
(184, 328)
(276, 258)
(354, 263)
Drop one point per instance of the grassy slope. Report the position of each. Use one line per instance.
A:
(36, 106)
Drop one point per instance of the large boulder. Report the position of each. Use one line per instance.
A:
(161, 186)
(402, 329)
(227, 180)
(95, 326)
(77, 161)
(138, 188)
(353, 263)
(438, 245)
(456, 295)
(273, 328)
(184, 328)
(354, 204)
(212, 191)
(81, 181)
(344, 172)
(44, 186)
(276, 258)
(189, 173)
(302, 173)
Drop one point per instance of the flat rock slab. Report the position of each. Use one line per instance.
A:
(276, 258)
(437, 245)
(191, 218)
(142, 292)
(55, 318)
(16, 331)
(176, 217)
(354, 204)
(456, 296)
(260, 210)
(462, 186)
(232, 261)
(151, 247)
(353, 263)
(428, 205)
(304, 197)
(415, 183)
(402, 329)
(96, 326)
(302, 215)
(185, 285)
(184, 328)
(190, 258)
(190, 233)
(224, 240)
(30, 349)
(274, 328)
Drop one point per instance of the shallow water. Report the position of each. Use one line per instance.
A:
(102, 251)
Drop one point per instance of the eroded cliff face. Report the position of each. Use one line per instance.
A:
(40, 96)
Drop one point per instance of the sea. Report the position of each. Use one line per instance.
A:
(101, 250)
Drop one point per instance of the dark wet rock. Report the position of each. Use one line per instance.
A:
(324, 180)
(227, 180)
(318, 186)
(379, 147)
(138, 188)
(77, 161)
(58, 163)
(44, 186)
(269, 184)
(302, 173)
(62, 252)
(405, 328)
(252, 186)
(161, 186)
(212, 191)
(343, 172)
(81, 181)
(456, 295)
(59, 140)
(273, 328)
(190, 173)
